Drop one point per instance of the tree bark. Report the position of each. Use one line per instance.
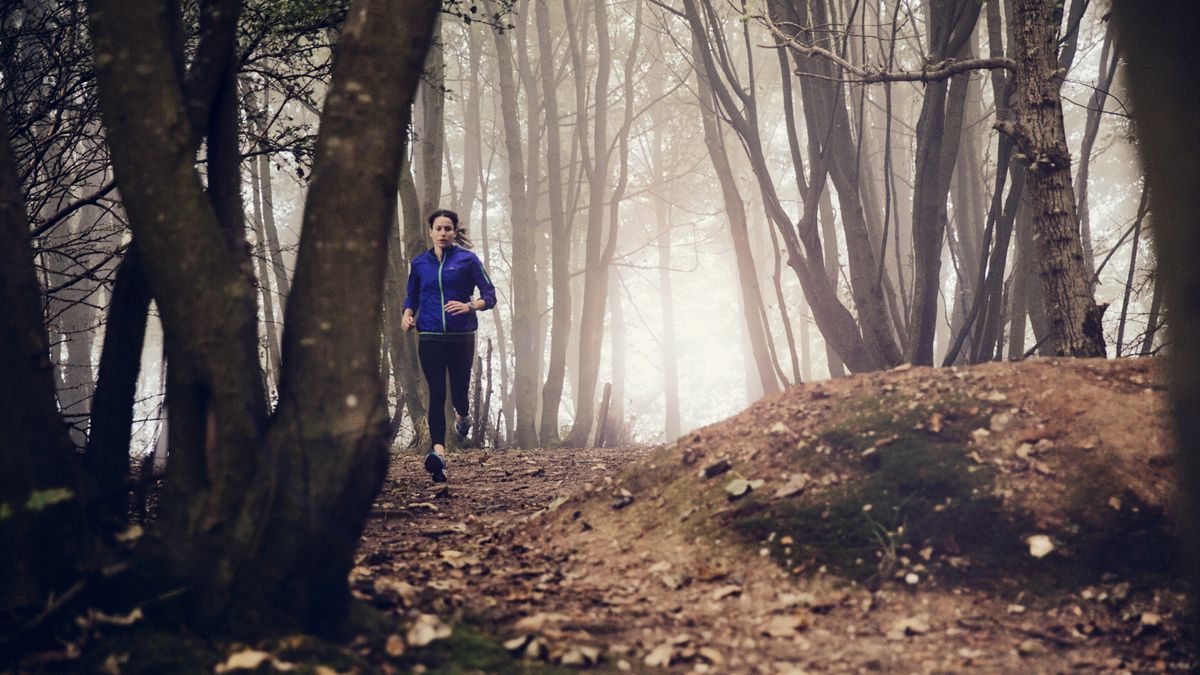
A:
(1038, 130)
(560, 240)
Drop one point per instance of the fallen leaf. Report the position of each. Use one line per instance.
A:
(794, 486)
(1115, 503)
(726, 591)
(738, 488)
(784, 625)
(426, 629)
(1039, 545)
(908, 626)
(1030, 648)
(249, 659)
(717, 468)
(394, 646)
(661, 656)
(517, 644)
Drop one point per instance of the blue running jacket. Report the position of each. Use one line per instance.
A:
(433, 283)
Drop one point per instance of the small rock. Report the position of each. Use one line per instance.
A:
(1151, 620)
(912, 579)
(1016, 609)
(532, 624)
(574, 657)
(249, 659)
(779, 428)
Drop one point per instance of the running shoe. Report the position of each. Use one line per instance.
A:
(436, 466)
(462, 427)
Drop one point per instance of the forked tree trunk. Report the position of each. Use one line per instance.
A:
(263, 514)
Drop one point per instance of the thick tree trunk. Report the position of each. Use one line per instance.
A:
(1038, 129)
(39, 496)
(1153, 36)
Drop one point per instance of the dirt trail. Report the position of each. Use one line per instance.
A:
(632, 552)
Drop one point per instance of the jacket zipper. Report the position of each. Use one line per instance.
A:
(442, 290)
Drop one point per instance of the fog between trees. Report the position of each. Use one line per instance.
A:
(649, 171)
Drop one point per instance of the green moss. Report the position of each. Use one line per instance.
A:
(905, 487)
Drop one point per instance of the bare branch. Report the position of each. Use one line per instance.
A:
(932, 72)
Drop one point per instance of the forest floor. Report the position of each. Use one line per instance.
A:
(999, 518)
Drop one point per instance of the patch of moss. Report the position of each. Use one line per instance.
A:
(917, 488)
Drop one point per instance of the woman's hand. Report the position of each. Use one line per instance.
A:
(455, 307)
(407, 322)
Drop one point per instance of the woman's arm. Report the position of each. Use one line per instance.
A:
(487, 291)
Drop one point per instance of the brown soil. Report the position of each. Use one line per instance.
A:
(636, 552)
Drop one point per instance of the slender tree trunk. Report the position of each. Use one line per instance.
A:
(560, 240)
(735, 211)
(595, 280)
(525, 310)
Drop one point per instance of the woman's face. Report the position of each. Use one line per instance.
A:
(442, 232)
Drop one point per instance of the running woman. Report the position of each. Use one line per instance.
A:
(440, 305)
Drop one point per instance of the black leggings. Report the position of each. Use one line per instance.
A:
(440, 355)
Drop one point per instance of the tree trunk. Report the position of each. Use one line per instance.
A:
(39, 498)
(735, 211)
(525, 310)
(1038, 129)
(1153, 36)
(560, 241)
(262, 515)
(595, 279)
